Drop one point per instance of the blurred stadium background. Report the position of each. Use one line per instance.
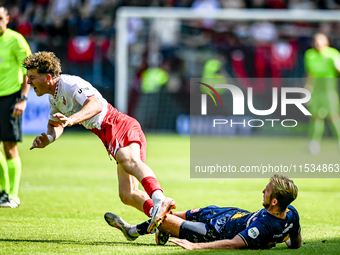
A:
(163, 54)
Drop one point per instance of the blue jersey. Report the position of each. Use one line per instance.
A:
(256, 229)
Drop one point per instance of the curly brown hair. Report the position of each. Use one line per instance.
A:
(44, 62)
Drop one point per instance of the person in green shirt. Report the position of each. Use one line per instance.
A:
(322, 65)
(13, 95)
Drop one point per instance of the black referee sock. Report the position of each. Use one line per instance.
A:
(142, 228)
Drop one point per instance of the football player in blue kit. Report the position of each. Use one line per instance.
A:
(215, 227)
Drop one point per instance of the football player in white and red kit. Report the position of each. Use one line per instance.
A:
(75, 101)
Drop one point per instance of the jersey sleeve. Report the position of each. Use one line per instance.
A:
(295, 230)
(82, 92)
(335, 54)
(256, 235)
(22, 50)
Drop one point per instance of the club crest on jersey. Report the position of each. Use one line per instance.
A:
(253, 232)
(64, 100)
(111, 149)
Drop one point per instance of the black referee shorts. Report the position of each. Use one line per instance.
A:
(10, 127)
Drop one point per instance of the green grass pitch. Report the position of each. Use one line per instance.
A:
(67, 187)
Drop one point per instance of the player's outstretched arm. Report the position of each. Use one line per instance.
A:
(54, 131)
(90, 108)
(294, 242)
(235, 243)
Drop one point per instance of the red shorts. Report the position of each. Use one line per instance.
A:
(119, 130)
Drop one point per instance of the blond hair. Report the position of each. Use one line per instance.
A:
(284, 190)
(44, 62)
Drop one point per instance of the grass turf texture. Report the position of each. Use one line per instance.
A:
(67, 187)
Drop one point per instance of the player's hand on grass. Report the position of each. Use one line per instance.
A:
(40, 141)
(64, 120)
(185, 244)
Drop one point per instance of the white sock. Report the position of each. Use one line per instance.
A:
(133, 231)
(157, 197)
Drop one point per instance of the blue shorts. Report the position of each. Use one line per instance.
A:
(198, 232)
(209, 224)
(198, 226)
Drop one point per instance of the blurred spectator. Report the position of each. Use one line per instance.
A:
(326, 28)
(277, 4)
(81, 22)
(153, 79)
(272, 4)
(256, 4)
(263, 32)
(182, 3)
(204, 6)
(213, 73)
(103, 26)
(39, 20)
(284, 54)
(58, 31)
(328, 4)
(60, 8)
(232, 4)
(166, 32)
(134, 26)
(322, 65)
(24, 26)
(58, 36)
(301, 4)
(43, 3)
(81, 49)
(93, 4)
(272, 56)
(14, 13)
(80, 54)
